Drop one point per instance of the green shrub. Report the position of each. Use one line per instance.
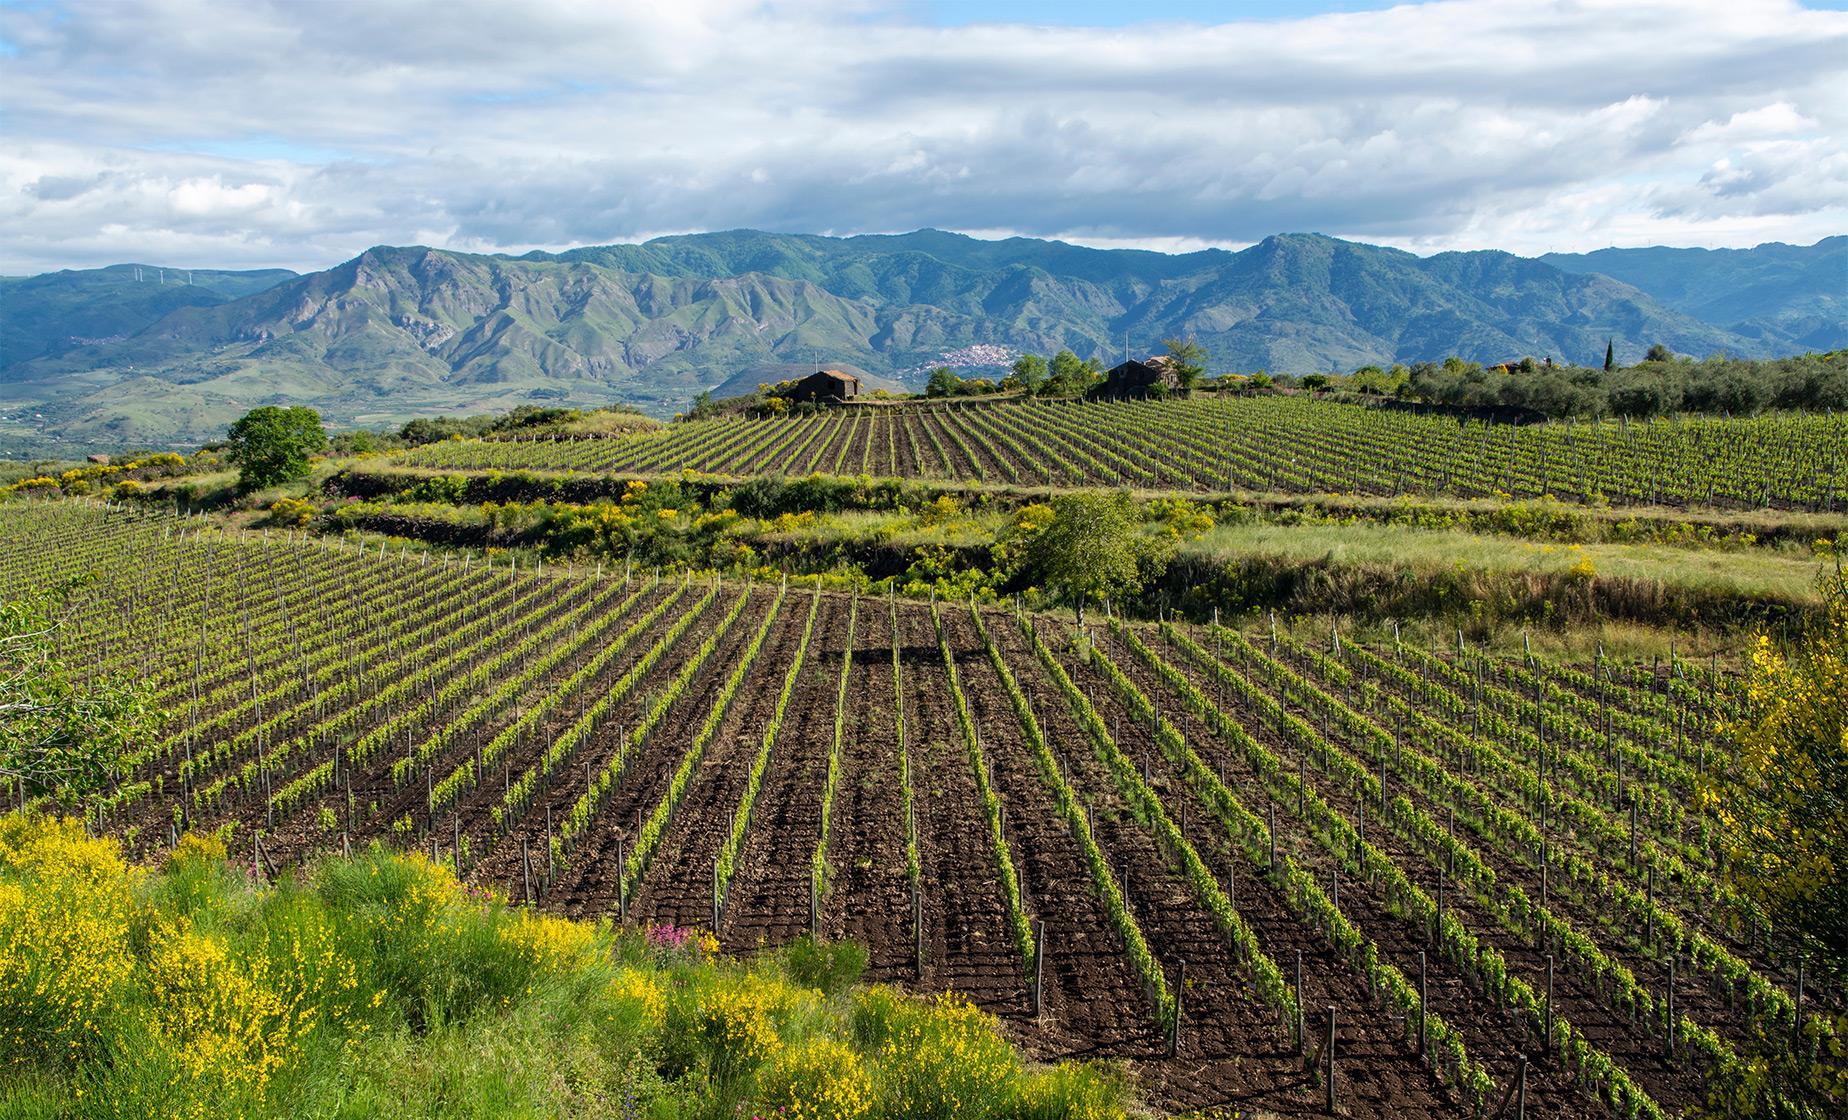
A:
(830, 966)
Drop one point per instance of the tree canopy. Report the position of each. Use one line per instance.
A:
(1071, 374)
(272, 444)
(943, 383)
(1090, 550)
(1030, 369)
(1187, 359)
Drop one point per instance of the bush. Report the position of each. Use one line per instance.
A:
(819, 1080)
(830, 966)
(292, 512)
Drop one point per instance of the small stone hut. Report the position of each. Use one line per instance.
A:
(1152, 377)
(827, 385)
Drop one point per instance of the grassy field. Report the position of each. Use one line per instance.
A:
(1786, 574)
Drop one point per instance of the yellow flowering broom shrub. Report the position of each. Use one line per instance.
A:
(939, 1059)
(821, 1079)
(218, 1019)
(641, 993)
(65, 958)
(1782, 800)
(378, 985)
(736, 1022)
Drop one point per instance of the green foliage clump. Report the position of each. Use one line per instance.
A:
(1030, 372)
(272, 445)
(1660, 385)
(63, 732)
(1187, 359)
(1091, 550)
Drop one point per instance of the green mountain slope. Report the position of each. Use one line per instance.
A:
(1792, 297)
(42, 315)
(397, 332)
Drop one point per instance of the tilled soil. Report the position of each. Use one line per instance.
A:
(1234, 1050)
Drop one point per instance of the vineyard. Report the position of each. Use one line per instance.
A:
(1222, 854)
(1273, 444)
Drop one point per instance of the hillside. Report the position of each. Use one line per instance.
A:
(60, 310)
(398, 332)
(1794, 297)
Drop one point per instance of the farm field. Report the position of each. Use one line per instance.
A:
(1175, 844)
(1265, 444)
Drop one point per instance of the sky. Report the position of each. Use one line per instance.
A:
(249, 133)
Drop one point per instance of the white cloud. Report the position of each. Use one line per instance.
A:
(238, 132)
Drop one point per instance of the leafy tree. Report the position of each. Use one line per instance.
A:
(1030, 369)
(1659, 353)
(1090, 549)
(1188, 360)
(62, 732)
(943, 383)
(1315, 382)
(272, 444)
(1610, 354)
(1070, 373)
(1782, 800)
(359, 441)
(702, 406)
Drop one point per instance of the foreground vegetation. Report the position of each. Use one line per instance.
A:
(378, 985)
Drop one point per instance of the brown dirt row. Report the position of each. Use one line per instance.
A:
(768, 901)
(587, 884)
(678, 887)
(916, 458)
(1492, 1034)
(1382, 1075)
(869, 896)
(956, 464)
(967, 946)
(476, 806)
(1093, 1001)
(990, 465)
(819, 459)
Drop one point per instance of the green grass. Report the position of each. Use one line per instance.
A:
(1782, 574)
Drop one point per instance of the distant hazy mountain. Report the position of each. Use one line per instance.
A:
(398, 332)
(1794, 297)
(48, 314)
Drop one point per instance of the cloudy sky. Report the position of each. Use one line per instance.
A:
(244, 133)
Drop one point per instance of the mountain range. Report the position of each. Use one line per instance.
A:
(132, 355)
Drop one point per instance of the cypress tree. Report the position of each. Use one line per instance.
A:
(1610, 355)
